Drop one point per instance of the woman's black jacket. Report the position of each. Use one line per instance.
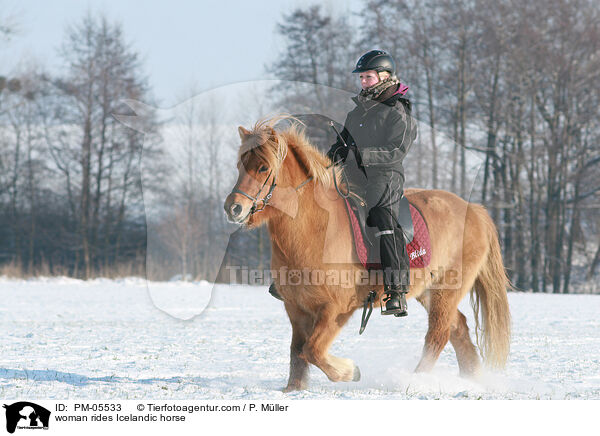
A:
(380, 132)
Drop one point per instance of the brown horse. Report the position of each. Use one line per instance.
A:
(284, 182)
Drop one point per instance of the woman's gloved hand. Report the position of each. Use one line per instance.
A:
(338, 152)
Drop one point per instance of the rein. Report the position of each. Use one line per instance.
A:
(337, 188)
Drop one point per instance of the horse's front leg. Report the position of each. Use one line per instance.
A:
(301, 323)
(328, 324)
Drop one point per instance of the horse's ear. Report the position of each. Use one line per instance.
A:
(273, 134)
(243, 133)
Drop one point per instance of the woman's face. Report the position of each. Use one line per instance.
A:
(368, 78)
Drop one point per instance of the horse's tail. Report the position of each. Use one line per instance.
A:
(488, 298)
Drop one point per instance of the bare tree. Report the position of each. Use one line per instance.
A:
(320, 49)
(102, 70)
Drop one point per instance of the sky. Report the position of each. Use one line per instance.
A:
(182, 43)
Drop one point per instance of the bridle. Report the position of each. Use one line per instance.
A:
(256, 200)
(265, 200)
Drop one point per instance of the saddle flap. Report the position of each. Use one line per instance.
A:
(405, 220)
(366, 244)
(403, 216)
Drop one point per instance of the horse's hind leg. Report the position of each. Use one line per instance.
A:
(466, 354)
(301, 323)
(442, 312)
(327, 326)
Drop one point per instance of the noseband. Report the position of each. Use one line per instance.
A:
(256, 200)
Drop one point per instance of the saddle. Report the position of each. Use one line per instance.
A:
(408, 217)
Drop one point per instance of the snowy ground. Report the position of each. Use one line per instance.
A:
(67, 339)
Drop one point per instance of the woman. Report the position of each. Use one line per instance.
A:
(380, 131)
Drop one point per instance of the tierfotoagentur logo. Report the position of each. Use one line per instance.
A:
(26, 415)
(441, 278)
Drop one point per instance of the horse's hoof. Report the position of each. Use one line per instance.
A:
(293, 388)
(356, 376)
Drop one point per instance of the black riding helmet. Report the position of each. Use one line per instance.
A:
(377, 60)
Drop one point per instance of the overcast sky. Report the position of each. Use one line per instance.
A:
(211, 43)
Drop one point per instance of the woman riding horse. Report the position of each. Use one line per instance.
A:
(380, 131)
(284, 182)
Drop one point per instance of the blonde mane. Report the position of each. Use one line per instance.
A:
(272, 147)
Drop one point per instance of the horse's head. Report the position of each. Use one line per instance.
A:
(272, 166)
(260, 158)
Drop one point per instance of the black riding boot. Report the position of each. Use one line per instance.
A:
(395, 303)
(395, 264)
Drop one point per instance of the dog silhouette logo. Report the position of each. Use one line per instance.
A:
(26, 415)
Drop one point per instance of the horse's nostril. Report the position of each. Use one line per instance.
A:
(236, 209)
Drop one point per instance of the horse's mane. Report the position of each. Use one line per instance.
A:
(272, 147)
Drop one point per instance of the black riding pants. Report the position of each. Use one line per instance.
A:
(383, 193)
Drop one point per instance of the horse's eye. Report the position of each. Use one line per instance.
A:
(262, 169)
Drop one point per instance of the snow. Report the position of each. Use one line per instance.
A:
(129, 339)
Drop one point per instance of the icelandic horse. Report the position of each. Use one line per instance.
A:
(284, 182)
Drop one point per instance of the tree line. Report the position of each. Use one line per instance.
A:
(70, 185)
(505, 94)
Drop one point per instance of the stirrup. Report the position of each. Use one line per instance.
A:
(401, 309)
